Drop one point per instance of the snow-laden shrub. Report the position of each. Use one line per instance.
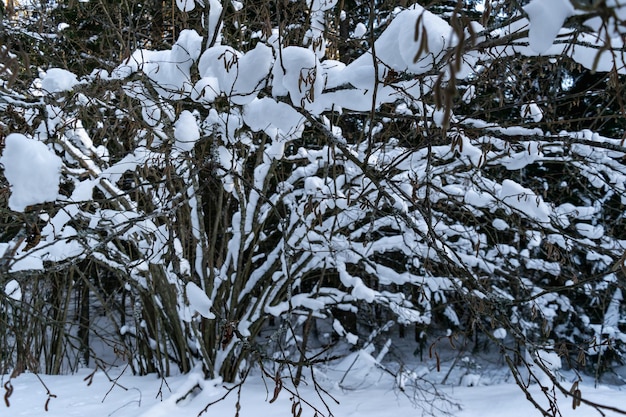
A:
(239, 200)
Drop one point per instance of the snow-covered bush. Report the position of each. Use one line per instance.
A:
(231, 197)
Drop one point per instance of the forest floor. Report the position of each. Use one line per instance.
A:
(357, 385)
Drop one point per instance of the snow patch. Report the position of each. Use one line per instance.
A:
(546, 19)
(186, 5)
(199, 301)
(499, 333)
(186, 131)
(525, 201)
(33, 171)
(278, 120)
(531, 111)
(57, 80)
(13, 290)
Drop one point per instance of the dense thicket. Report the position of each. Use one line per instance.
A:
(260, 182)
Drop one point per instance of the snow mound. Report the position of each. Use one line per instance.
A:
(57, 80)
(224, 70)
(199, 301)
(297, 74)
(168, 69)
(415, 41)
(33, 172)
(13, 290)
(186, 5)
(278, 120)
(524, 200)
(546, 19)
(186, 131)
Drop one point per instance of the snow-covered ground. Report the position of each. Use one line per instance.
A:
(361, 390)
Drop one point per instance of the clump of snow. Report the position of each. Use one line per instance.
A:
(33, 171)
(525, 201)
(199, 301)
(519, 160)
(224, 70)
(169, 69)
(253, 68)
(278, 120)
(500, 224)
(13, 290)
(357, 370)
(186, 131)
(590, 231)
(414, 42)
(186, 5)
(206, 90)
(531, 111)
(499, 333)
(77, 134)
(470, 380)
(544, 365)
(214, 25)
(57, 80)
(469, 94)
(297, 73)
(612, 314)
(546, 19)
(321, 5)
(339, 329)
(360, 30)
(221, 63)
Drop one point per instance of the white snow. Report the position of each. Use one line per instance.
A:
(168, 69)
(278, 120)
(199, 301)
(221, 63)
(206, 90)
(360, 30)
(499, 333)
(13, 290)
(186, 5)
(297, 73)
(186, 131)
(500, 224)
(214, 22)
(57, 80)
(224, 70)
(33, 171)
(79, 135)
(321, 5)
(549, 360)
(531, 111)
(252, 70)
(414, 42)
(590, 231)
(524, 200)
(612, 314)
(546, 19)
(358, 384)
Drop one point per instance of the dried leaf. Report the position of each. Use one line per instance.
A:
(296, 409)
(451, 340)
(577, 397)
(416, 36)
(9, 390)
(277, 388)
